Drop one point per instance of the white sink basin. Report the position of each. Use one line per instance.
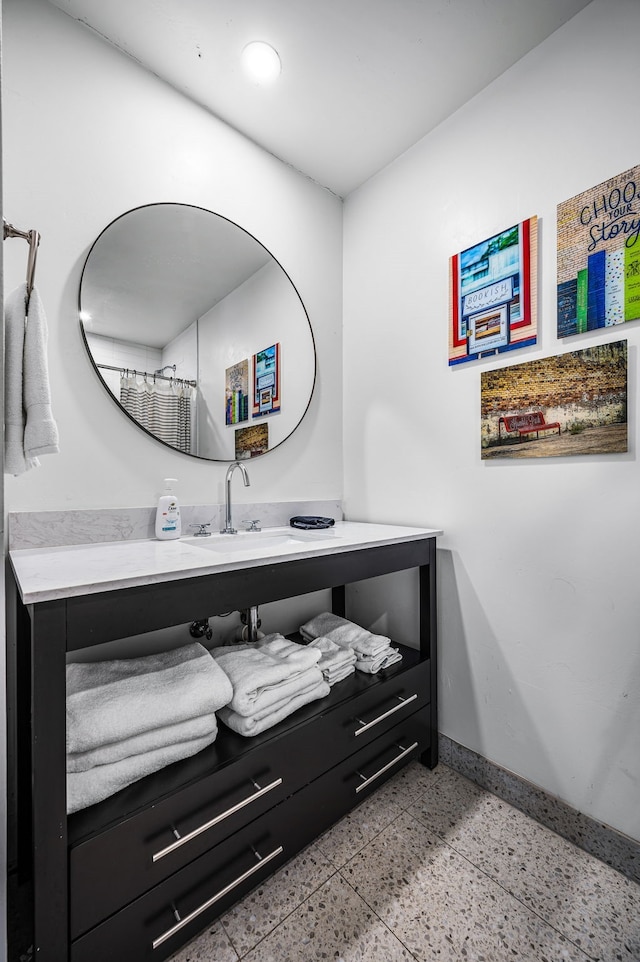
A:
(257, 542)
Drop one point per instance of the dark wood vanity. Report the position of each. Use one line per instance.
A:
(141, 873)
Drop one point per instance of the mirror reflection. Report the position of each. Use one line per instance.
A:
(197, 332)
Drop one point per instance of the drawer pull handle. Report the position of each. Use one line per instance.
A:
(262, 860)
(372, 778)
(183, 839)
(367, 725)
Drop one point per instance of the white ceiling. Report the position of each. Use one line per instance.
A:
(362, 80)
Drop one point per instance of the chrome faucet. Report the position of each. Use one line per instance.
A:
(228, 526)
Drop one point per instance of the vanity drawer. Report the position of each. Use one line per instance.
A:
(110, 869)
(157, 924)
(338, 790)
(363, 718)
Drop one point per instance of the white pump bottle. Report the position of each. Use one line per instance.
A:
(168, 525)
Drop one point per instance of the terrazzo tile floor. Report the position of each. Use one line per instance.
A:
(432, 867)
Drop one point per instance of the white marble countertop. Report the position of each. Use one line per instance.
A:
(44, 574)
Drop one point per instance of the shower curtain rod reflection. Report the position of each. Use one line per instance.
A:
(146, 374)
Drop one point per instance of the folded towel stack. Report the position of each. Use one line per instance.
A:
(270, 680)
(127, 718)
(373, 652)
(335, 662)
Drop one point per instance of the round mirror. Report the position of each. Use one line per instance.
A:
(197, 332)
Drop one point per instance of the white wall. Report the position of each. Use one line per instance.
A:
(539, 603)
(88, 135)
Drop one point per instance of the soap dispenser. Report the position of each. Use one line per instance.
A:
(168, 523)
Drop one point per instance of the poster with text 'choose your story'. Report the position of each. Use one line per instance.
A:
(599, 256)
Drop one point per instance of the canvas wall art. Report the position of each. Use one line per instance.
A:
(493, 294)
(236, 382)
(251, 441)
(574, 403)
(598, 282)
(266, 381)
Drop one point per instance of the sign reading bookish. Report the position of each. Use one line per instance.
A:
(493, 295)
(599, 256)
(266, 381)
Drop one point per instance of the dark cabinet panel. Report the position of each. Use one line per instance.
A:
(139, 874)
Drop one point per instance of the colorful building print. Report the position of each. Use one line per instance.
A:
(237, 392)
(599, 256)
(266, 381)
(493, 294)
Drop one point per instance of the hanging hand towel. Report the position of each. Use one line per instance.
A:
(40, 431)
(14, 458)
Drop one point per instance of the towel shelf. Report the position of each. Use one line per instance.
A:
(183, 839)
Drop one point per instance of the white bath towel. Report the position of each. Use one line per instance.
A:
(88, 788)
(15, 461)
(344, 633)
(335, 675)
(248, 726)
(258, 672)
(184, 731)
(280, 695)
(336, 662)
(40, 430)
(381, 661)
(112, 700)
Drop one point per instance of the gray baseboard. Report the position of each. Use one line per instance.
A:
(612, 847)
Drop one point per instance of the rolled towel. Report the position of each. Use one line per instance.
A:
(88, 788)
(141, 744)
(257, 672)
(344, 633)
(248, 726)
(112, 700)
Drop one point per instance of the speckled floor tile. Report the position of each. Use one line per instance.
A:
(211, 946)
(448, 799)
(442, 907)
(410, 782)
(589, 902)
(259, 912)
(351, 833)
(333, 924)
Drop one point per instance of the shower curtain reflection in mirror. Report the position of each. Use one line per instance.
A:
(163, 408)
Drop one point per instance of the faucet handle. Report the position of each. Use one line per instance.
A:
(202, 529)
(252, 525)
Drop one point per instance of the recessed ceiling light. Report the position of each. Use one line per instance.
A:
(261, 61)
